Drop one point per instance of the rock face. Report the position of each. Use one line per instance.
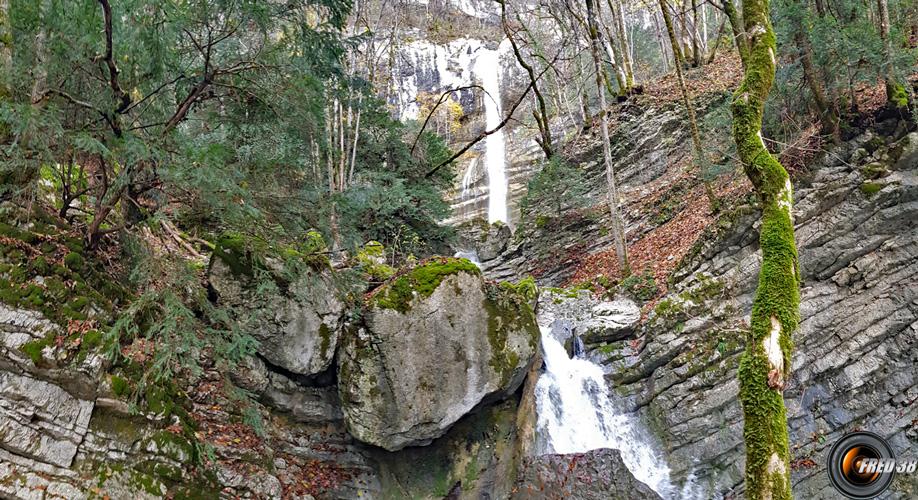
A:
(486, 240)
(595, 475)
(855, 349)
(40, 420)
(413, 369)
(297, 330)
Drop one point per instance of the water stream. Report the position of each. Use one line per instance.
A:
(488, 70)
(576, 412)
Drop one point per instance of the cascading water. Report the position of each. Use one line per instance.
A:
(488, 70)
(577, 413)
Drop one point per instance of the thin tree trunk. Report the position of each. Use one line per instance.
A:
(662, 39)
(896, 96)
(614, 59)
(618, 231)
(765, 365)
(696, 47)
(618, 15)
(827, 115)
(704, 28)
(541, 116)
(690, 111)
(739, 32)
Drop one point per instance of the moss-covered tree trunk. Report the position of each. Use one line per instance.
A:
(765, 365)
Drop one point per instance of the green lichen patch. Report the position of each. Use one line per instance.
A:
(871, 188)
(508, 312)
(874, 170)
(419, 281)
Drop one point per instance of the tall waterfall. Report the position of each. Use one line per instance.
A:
(488, 70)
(577, 413)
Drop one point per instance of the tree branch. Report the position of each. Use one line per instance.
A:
(486, 133)
(439, 102)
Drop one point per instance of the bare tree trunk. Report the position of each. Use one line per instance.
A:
(696, 47)
(618, 16)
(827, 113)
(614, 59)
(541, 116)
(661, 38)
(704, 28)
(618, 230)
(690, 111)
(896, 96)
(766, 363)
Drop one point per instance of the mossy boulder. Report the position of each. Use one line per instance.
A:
(297, 325)
(435, 342)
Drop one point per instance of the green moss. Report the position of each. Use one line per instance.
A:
(898, 97)
(120, 386)
(420, 281)
(34, 348)
(871, 188)
(640, 286)
(238, 252)
(371, 260)
(40, 265)
(74, 261)
(526, 287)
(325, 333)
(874, 170)
(669, 309)
(777, 294)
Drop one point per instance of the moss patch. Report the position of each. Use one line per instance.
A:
(871, 188)
(419, 281)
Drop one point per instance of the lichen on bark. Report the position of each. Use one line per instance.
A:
(765, 365)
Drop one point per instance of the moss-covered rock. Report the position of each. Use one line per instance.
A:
(419, 282)
(435, 342)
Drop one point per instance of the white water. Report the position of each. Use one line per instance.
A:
(488, 69)
(472, 256)
(576, 413)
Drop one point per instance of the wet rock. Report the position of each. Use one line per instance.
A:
(432, 348)
(594, 475)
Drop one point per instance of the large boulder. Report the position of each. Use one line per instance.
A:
(436, 341)
(597, 474)
(296, 324)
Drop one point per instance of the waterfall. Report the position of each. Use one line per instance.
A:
(471, 256)
(488, 70)
(576, 413)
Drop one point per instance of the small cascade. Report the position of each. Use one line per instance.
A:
(576, 413)
(471, 256)
(488, 70)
